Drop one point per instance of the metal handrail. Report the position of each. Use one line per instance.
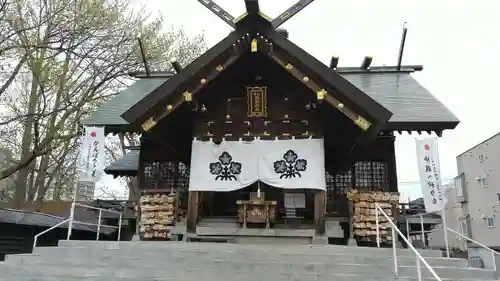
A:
(72, 218)
(493, 252)
(35, 239)
(394, 228)
(422, 232)
(421, 214)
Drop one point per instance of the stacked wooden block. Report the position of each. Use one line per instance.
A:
(364, 221)
(157, 215)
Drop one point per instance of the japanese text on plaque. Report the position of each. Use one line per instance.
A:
(257, 101)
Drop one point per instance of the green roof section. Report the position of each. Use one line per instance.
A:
(128, 165)
(109, 113)
(404, 96)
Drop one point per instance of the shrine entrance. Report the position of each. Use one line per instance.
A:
(288, 208)
(259, 183)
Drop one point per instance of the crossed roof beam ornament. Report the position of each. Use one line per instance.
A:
(252, 7)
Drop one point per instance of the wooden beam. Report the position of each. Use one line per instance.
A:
(345, 91)
(252, 7)
(290, 12)
(188, 94)
(319, 212)
(192, 211)
(152, 102)
(322, 93)
(219, 11)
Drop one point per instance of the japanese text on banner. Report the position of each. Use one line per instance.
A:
(92, 154)
(429, 170)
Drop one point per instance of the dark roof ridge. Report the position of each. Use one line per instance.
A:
(152, 74)
(344, 69)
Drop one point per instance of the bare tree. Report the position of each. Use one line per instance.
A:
(77, 54)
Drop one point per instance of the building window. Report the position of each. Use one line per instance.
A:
(484, 181)
(463, 228)
(490, 222)
(459, 186)
(481, 158)
(498, 197)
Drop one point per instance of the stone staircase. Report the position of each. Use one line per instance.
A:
(181, 261)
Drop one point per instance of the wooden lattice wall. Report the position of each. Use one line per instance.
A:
(167, 175)
(365, 175)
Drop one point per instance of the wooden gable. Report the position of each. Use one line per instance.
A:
(253, 35)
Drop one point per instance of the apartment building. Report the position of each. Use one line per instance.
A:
(474, 206)
(453, 213)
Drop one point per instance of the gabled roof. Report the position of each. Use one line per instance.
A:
(109, 114)
(412, 105)
(155, 97)
(160, 102)
(348, 93)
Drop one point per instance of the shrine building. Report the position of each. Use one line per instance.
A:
(257, 138)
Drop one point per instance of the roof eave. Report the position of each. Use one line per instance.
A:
(137, 111)
(351, 94)
(419, 127)
(121, 173)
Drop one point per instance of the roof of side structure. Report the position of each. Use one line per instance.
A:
(412, 105)
(126, 165)
(109, 113)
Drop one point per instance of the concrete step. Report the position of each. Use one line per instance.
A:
(285, 277)
(241, 248)
(180, 261)
(334, 229)
(221, 269)
(51, 255)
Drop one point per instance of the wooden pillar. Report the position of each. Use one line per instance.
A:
(350, 204)
(393, 176)
(319, 212)
(350, 219)
(192, 212)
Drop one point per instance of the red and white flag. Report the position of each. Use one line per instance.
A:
(92, 158)
(430, 174)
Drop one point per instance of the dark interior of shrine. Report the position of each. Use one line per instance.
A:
(223, 204)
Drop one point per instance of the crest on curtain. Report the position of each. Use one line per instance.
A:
(290, 166)
(225, 169)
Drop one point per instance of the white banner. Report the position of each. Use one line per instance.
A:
(233, 165)
(292, 164)
(227, 166)
(92, 158)
(430, 174)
